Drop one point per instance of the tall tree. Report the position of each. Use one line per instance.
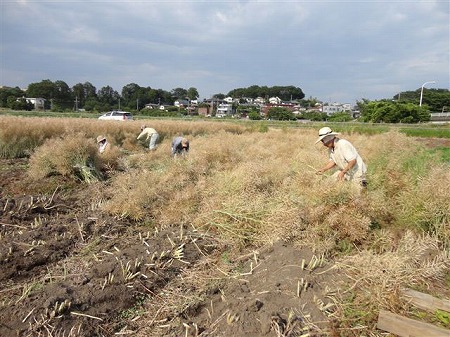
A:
(192, 93)
(81, 92)
(130, 92)
(108, 97)
(45, 89)
(179, 93)
(63, 98)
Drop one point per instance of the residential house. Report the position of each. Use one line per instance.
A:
(224, 109)
(275, 100)
(181, 103)
(332, 108)
(38, 102)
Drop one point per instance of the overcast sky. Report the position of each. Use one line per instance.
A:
(336, 51)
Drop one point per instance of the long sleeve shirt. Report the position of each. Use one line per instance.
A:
(147, 133)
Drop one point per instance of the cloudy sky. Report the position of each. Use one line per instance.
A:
(336, 51)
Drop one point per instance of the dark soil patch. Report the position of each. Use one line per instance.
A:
(434, 142)
(68, 269)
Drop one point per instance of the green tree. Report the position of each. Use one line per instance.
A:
(63, 98)
(45, 89)
(436, 99)
(254, 115)
(6, 92)
(286, 93)
(393, 112)
(314, 116)
(131, 95)
(20, 104)
(281, 114)
(218, 96)
(57, 93)
(340, 117)
(192, 93)
(108, 97)
(83, 92)
(179, 93)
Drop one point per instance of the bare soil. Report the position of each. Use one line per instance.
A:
(68, 269)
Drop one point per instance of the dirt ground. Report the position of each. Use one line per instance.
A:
(67, 269)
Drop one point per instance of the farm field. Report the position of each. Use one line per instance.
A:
(238, 238)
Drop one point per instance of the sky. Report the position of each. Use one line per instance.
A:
(335, 51)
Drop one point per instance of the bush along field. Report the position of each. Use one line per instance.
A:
(238, 238)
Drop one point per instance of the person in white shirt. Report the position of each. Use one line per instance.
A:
(344, 156)
(150, 135)
(103, 144)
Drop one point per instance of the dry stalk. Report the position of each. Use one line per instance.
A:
(80, 229)
(85, 315)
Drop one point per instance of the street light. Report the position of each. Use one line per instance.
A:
(421, 91)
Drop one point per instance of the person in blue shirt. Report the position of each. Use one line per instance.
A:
(180, 146)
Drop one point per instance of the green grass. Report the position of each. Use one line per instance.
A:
(426, 132)
(443, 153)
(49, 113)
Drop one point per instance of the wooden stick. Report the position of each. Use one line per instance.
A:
(425, 301)
(406, 327)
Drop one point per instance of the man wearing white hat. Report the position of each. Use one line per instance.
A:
(344, 156)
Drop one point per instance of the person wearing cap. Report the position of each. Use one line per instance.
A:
(150, 135)
(103, 144)
(180, 146)
(344, 156)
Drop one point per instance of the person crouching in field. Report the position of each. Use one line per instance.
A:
(150, 135)
(344, 156)
(180, 146)
(103, 144)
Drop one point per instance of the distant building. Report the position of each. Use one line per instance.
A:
(224, 109)
(181, 103)
(152, 106)
(275, 100)
(333, 108)
(38, 103)
(259, 100)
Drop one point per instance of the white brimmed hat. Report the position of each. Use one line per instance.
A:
(324, 132)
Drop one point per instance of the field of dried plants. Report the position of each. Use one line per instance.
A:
(238, 238)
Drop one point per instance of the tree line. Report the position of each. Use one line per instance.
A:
(402, 107)
(59, 96)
